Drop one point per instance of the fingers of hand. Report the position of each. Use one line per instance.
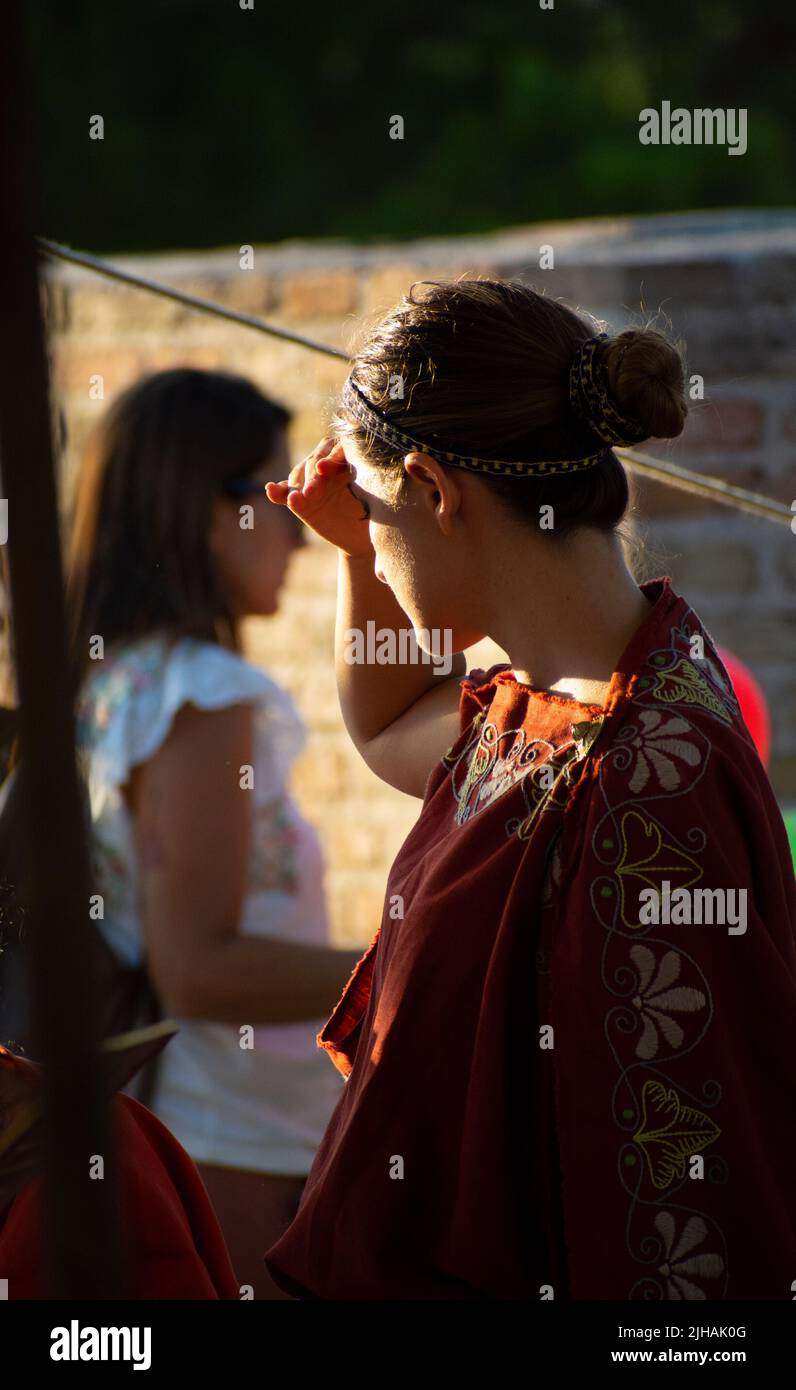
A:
(333, 466)
(278, 492)
(324, 481)
(286, 494)
(324, 469)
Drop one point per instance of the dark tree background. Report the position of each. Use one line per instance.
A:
(225, 126)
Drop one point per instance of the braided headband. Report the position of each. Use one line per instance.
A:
(588, 398)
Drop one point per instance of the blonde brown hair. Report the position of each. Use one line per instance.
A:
(483, 366)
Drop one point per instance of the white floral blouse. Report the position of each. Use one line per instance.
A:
(263, 1108)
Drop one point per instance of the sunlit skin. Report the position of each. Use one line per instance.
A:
(455, 557)
(252, 562)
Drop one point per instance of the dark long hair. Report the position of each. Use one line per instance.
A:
(138, 556)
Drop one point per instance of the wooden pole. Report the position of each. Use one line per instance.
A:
(82, 1253)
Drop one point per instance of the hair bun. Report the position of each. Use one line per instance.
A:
(646, 379)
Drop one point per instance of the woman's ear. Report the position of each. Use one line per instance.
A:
(422, 468)
(438, 488)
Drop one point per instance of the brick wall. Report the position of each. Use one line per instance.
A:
(726, 282)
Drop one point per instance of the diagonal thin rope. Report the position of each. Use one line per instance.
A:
(755, 503)
(662, 471)
(192, 301)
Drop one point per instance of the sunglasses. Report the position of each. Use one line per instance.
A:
(244, 487)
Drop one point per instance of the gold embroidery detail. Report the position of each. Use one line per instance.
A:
(585, 734)
(670, 1132)
(678, 867)
(686, 685)
(478, 720)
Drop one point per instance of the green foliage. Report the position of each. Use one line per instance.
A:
(226, 126)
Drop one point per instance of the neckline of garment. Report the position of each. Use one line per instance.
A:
(660, 596)
(548, 697)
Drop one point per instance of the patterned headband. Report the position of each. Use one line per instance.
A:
(588, 398)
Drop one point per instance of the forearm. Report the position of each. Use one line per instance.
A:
(261, 980)
(373, 695)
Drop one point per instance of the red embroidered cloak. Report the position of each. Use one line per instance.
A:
(547, 1093)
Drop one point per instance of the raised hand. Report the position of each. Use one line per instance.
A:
(316, 491)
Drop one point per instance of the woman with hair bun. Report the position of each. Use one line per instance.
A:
(569, 1046)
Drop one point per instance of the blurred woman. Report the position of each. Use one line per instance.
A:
(206, 868)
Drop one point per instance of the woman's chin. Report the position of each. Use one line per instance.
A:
(263, 607)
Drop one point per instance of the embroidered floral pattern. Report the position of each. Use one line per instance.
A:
(681, 1267)
(543, 771)
(659, 746)
(682, 683)
(448, 758)
(112, 682)
(665, 1009)
(586, 733)
(659, 1004)
(670, 1132)
(488, 774)
(548, 786)
(272, 865)
(648, 856)
(657, 1000)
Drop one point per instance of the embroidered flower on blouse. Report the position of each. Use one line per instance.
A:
(659, 744)
(679, 1260)
(272, 866)
(523, 759)
(656, 1000)
(111, 683)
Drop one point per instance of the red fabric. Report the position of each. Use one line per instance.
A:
(174, 1242)
(752, 702)
(522, 1166)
